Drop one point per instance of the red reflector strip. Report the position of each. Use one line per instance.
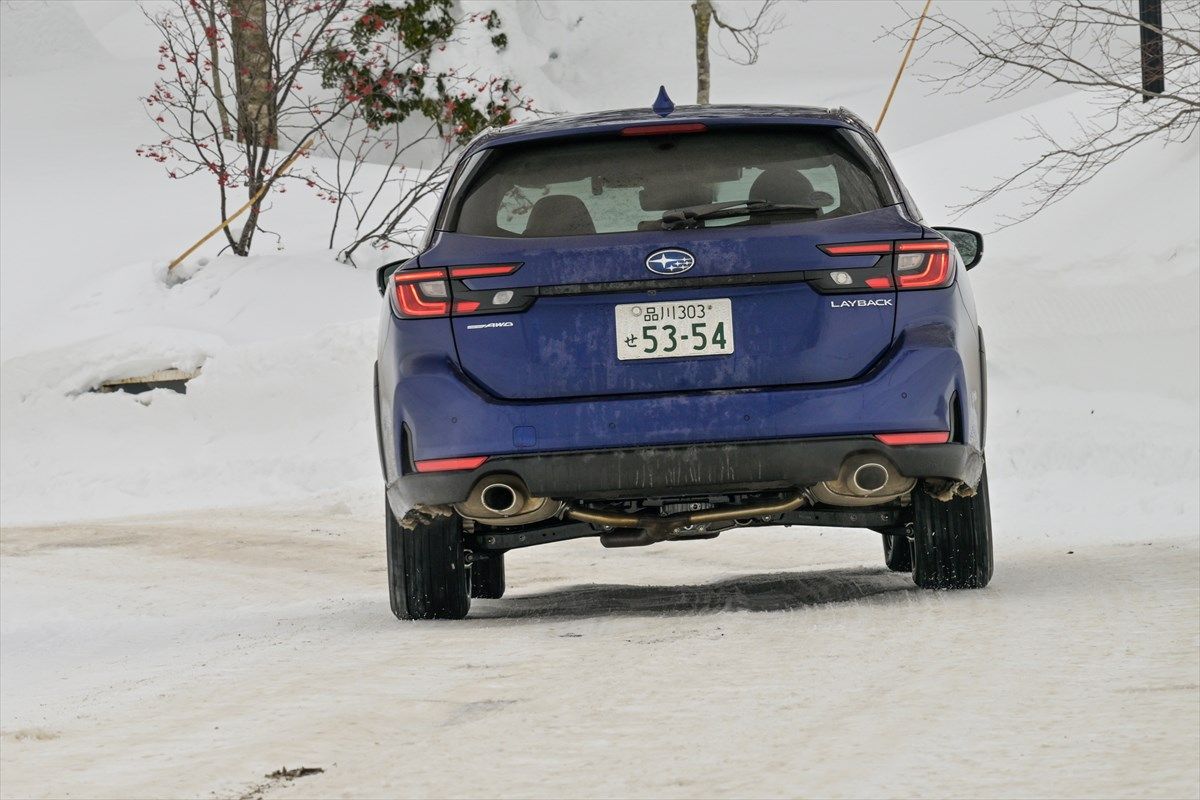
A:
(482, 272)
(864, 249)
(927, 437)
(450, 464)
(879, 283)
(419, 275)
(659, 130)
(466, 306)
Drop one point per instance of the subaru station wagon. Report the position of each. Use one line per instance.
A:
(669, 324)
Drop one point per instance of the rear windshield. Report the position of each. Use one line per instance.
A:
(617, 185)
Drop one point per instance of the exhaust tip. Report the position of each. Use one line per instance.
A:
(870, 478)
(499, 498)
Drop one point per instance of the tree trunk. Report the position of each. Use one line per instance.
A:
(257, 116)
(702, 12)
(252, 65)
(214, 55)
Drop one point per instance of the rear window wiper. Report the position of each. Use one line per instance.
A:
(692, 216)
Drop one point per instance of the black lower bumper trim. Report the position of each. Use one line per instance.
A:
(638, 473)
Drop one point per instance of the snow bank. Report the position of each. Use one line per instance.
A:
(282, 408)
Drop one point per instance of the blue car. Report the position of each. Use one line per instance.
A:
(664, 324)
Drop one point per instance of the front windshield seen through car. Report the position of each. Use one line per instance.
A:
(575, 187)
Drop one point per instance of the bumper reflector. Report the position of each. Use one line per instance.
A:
(927, 437)
(450, 464)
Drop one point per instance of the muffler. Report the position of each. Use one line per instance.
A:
(505, 500)
(864, 479)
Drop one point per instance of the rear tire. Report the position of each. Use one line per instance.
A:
(487, 576)
(897, 551)
(427, 569)
(952, 544)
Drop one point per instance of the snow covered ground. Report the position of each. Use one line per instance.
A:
(191, 587)
(191, 654)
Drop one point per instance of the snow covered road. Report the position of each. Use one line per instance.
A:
(191, 655)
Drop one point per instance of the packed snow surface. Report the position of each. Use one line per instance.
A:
(191, 586)
(192, 654)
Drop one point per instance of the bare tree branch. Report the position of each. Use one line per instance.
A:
(1091, 47)
(749, 37)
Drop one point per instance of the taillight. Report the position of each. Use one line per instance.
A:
(864, 249)
(426, 293)
(422, 293)
(923, 265)
(915, 264)
(484, 271)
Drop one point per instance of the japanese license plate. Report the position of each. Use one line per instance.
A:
(674, 330)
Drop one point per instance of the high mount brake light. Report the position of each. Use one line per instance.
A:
(918, 263)
(425, 293)
(661, 130)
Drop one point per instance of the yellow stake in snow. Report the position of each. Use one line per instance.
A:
(257, 196)
(887, 103)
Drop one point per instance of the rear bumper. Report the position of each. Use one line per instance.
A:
(684, 442)
(689, 469)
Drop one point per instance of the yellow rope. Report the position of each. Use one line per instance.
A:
(887, 103)
(257, 196)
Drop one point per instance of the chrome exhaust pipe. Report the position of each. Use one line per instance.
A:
(870, 478)
(501, 499)
(505, 500)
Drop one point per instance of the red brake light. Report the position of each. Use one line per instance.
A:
(925, 437)
(423, 293)
(918, 263)
(864, 249)
(450, 464)
(929, 267)
(484, 271)
(659, 130)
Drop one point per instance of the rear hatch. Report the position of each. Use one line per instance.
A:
(606, 302)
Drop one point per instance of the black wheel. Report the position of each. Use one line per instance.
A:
(897, 551)
(487, 575)
(952, 544)
(427, 570)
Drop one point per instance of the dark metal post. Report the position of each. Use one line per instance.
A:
(1153, 80)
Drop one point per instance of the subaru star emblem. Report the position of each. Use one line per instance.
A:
(670, 262)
